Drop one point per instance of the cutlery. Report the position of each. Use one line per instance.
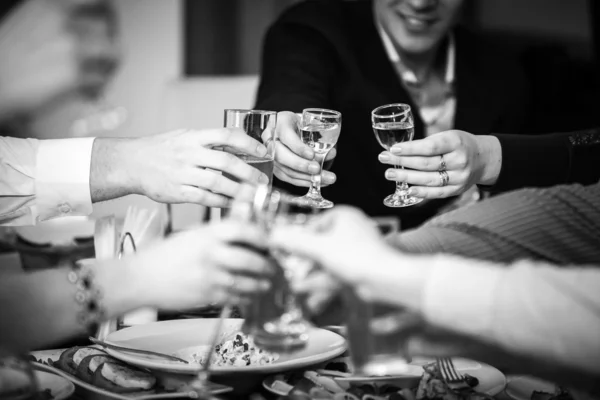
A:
(199, 385)
(105, 247)
(455, 380)
(137, 351)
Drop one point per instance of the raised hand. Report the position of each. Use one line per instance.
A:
(467, 159)
(294, 160)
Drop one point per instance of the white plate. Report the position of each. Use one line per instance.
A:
(59, 387)
(94, 392)
(522, 387)
(184, 337)
(491, 380)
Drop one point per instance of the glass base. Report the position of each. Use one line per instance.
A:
(314, 201)
(283, 336)
(395, 200)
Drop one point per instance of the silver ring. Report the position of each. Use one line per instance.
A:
(444, 178)
(442, 166)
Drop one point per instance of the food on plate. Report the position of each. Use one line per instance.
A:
(89, 365)
(71, 358)
(96, 367)
(120, 378)
(237, 352)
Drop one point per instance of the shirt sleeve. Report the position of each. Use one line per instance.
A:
(44, 179)
(529, 308)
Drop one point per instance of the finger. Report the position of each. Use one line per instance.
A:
(237, 232)
(210, 180)
(287, 125)
(234, 138)
(239, 260)
(285, 178)
(437, 144)
(435, 192)
(230, 164)
(287, 158)
(422, 178)
(239, 284)
(331, 154)
(327, 177)
(193, 194)
(297, 240)
(418, 163)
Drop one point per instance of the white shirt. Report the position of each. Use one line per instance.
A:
(44, 179)
(531, 308)
(439, 117)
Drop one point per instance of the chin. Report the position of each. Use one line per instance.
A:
(418, 45)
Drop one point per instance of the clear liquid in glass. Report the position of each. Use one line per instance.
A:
(391, 133)
(321, 137)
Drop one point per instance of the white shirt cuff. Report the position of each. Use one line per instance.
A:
(460, 295)
(63, 178)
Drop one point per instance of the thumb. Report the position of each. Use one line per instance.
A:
(298, 240)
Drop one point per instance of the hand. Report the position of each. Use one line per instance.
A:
(295, 161)
(320, 288)
(202, 266)
(344, 241)
(182, 167)
(469, 160)
(40, 62)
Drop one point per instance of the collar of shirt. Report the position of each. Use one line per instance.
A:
(408, 75)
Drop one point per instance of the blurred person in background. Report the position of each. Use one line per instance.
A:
(54, 49)
(355, 56)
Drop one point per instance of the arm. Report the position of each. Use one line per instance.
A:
(546, 160)
(559, 225)
(39, 309)
(532, 309)
(51, 178)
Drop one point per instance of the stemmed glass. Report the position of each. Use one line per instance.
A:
(274, 319)
(320, 129)
(392, 124)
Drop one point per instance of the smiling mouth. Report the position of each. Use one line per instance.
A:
(417, 23)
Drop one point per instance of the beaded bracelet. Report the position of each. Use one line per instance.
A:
(87, 296)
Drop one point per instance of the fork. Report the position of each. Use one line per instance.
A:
(453, 379)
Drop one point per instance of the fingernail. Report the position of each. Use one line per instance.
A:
(309, 154)
(314, 168)
(263, 179)
(261, 150)
(396, 149)
(390, 174)
(383, 157)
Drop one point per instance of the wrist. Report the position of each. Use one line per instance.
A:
(400, 279)
(121, 286)
(490, 159)
(114, 172)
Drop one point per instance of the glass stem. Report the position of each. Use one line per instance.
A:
(315, 180)
(401, 187)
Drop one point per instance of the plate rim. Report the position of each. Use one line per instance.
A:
(131, 396)
(221, 371)
(70, 385)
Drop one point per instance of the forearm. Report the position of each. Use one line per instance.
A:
(534, 310)
(112, 172)
(39, 309)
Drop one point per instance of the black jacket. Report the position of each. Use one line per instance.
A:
(329, 54)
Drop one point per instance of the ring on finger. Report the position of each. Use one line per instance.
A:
(444, 178)
(442, 166)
